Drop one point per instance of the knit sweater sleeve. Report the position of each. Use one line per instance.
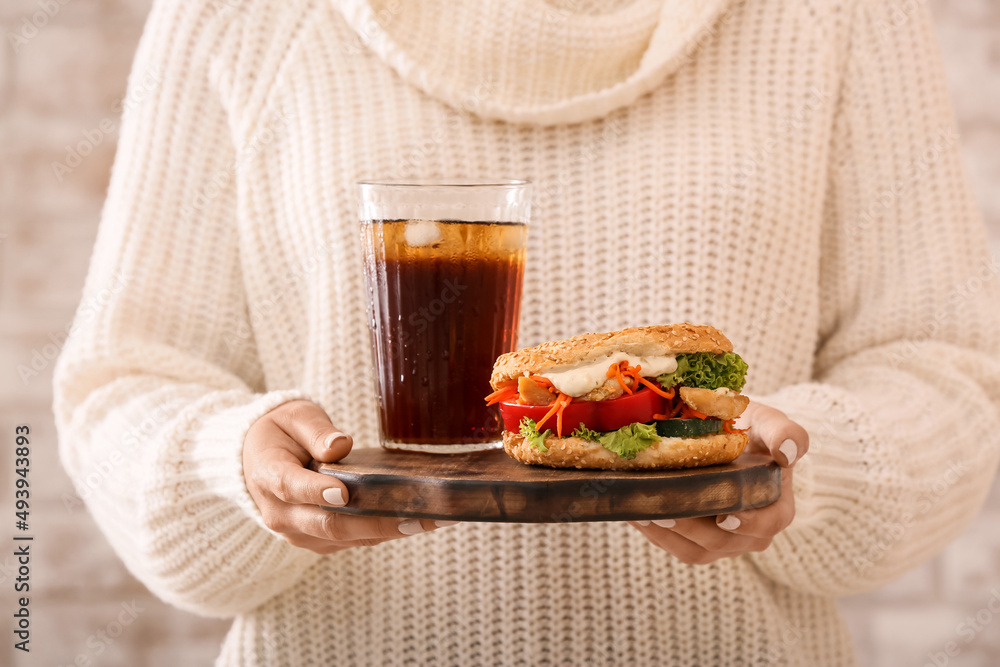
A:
(159, 379)
(904, 413)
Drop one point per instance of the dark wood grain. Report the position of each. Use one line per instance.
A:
(490, 486)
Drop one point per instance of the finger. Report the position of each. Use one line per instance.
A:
(704, 532)
(771, 431)
(324, 546)
(340, 527)
(321, 546)
(763, 522)
(281, 474)
(684, 549)
(310, 426)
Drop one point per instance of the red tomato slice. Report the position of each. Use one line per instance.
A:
(596, 415)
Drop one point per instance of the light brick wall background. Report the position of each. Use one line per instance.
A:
(61, 87)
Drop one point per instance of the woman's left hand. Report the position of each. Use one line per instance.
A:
(707, 539)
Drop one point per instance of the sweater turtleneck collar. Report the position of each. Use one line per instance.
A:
(534, 61)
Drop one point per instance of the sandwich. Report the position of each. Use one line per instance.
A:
(640, 398)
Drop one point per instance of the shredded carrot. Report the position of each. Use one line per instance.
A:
(615, 371)
(507, 391)
(557, 409)
(677, 409)
(729, 427)
(659, 390)
(660, 418)
(552, 411)
(569, 399)
(688, 413)
(559, 414)
(634, 372)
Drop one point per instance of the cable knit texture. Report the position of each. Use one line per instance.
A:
(786, 171)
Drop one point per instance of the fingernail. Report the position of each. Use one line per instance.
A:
(665, 523)
(444, 524)
(410, 527)
(643, 523)
(332, 439)
(790, 450)
(334, 496)
(731, 523)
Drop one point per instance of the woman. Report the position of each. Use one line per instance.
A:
(788, 172)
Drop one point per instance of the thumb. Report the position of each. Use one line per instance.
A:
(772, 432)
(310, 426)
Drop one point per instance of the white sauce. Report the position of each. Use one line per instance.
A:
(584, 378)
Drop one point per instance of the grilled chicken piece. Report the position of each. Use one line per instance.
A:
(533, 394)
(725, 405)
(610, 389)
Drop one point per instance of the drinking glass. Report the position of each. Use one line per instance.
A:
(444, 264)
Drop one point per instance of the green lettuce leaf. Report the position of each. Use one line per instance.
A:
(707, 371)
(582, 431)
(530, 432)
(629, 440)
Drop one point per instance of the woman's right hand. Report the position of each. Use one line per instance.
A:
(276, 451)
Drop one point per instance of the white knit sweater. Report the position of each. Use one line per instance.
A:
(786, 171)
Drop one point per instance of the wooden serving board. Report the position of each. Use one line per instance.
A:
(491, 486)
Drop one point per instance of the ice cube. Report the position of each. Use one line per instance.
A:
(422, 233)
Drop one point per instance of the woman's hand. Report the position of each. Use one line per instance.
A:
(276, 451)
(707, 539)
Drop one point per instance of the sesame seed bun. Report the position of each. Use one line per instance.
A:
(570, 452)
(661, 340)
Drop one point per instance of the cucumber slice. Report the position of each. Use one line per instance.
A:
(687, 428)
